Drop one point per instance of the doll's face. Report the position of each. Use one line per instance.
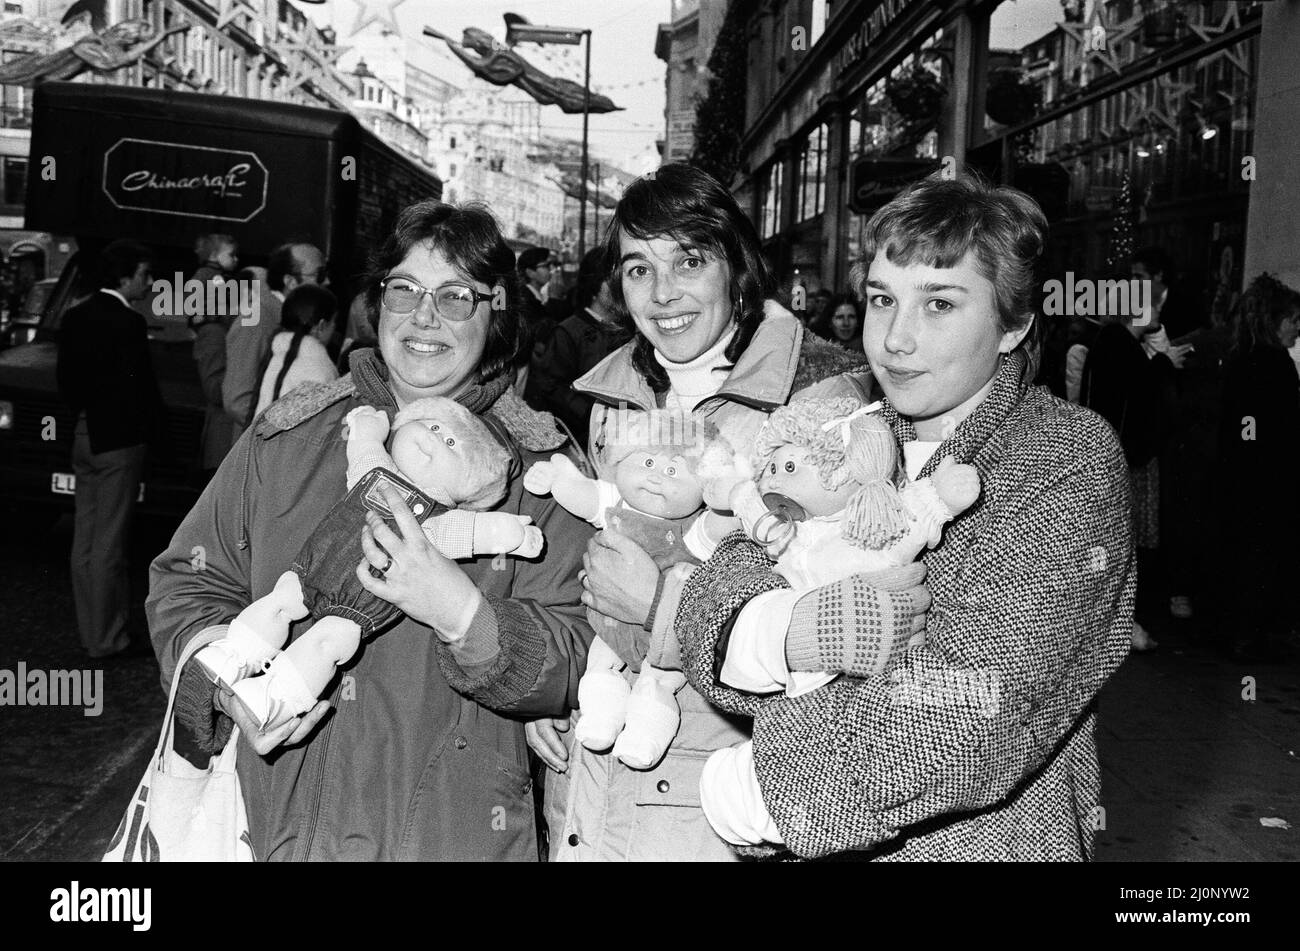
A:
(430, 452)
(790, 474)
(658, 484)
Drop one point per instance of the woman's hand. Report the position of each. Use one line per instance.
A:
(543, 738)
(618, 578)
(287, 734)
(417, 578)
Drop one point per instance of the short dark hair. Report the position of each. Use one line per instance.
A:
(592, 273)
(1156, 260)
(306, 306)
(121, 259)
(469, 237)
(686, 204)
(280, 265)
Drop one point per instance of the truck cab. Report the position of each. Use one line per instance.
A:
(161, 168)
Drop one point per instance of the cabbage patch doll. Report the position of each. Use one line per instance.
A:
(826, 504)
(449, 467)
(660, 461)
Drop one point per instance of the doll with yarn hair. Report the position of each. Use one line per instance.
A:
(440, 449)
(826, 504)
(661, 459)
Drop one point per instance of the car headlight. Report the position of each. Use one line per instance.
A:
(6, 414)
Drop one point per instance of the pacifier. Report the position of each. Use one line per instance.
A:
(776, 527)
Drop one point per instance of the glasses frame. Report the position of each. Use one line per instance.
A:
(431, 292)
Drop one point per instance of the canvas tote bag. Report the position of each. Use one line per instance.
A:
(180, 813)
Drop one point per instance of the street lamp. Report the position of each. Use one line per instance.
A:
(519, 30)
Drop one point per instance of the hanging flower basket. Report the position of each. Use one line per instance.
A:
(1162, 24)
(1010, 101)
(916, 95)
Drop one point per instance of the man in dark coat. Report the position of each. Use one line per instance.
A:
(106, 376)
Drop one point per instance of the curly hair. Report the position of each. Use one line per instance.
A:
(469, 237)
(800, 424)
(487, 463)
(1259, 311)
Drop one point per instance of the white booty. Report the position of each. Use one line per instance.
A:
(240, 654)
(277, 696)
(602, 698)
(653, 717)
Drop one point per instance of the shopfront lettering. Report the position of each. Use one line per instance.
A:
(223, 185)
(868, 32)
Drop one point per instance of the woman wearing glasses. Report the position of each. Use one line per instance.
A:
(421, 755)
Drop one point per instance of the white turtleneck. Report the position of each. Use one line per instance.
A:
(694, 381)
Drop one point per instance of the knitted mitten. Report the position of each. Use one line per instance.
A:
(857, 625)
(653, 717)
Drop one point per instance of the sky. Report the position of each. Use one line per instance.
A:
(623, 64)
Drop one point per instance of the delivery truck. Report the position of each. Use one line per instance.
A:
(161, 168)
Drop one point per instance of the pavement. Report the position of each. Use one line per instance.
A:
(1195, 750)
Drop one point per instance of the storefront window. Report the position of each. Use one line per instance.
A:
(771, 200)
(812, 175)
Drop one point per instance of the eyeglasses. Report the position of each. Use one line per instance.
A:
(452, 301)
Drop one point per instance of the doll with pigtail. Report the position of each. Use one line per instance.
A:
(826, 503)
(661, 460)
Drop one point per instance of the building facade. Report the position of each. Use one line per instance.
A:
(1155, 93)
(684, 44)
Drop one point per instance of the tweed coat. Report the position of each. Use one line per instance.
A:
(980, 743)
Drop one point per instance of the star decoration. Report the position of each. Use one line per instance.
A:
(1231, 20)
(369, 14)
(1111, 37)
(1169, 101)
(301, 68)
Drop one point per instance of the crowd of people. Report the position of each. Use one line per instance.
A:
(1206, 402)
(934, 708)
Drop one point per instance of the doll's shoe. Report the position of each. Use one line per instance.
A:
(276, 697)
(1141, 640)
(602, 698)
(228, 661)
(652, 722)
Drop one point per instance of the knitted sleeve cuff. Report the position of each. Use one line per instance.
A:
(512, 674)
(848, 626)
(197, 713)
(481, 643)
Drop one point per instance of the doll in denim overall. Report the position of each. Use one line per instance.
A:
(448, 467)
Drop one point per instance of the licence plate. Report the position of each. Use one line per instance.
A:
(65, 483)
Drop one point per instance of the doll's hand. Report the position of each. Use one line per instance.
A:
(366, 422)
(541, 477)
(531, 546)
(957, 485)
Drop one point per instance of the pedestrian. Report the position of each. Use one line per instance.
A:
(817, 318)
(976, 741)
(248, 340)
(219, 256)
(578, 344)
(298, 353)
(687, 266)
(359, 334)
(1259, 448)
(423, 757)
(846, 323)
(105, 375)
(1129, 378)
(535, 267)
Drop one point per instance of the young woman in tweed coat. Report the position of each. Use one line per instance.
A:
(977, 741)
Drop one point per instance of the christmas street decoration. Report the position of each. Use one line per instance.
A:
(122, 44)
(1121, 235)
(369, 13)
(502, 66)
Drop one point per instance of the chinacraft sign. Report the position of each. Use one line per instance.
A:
(192, 181)
(873, 182)
(873, 25)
